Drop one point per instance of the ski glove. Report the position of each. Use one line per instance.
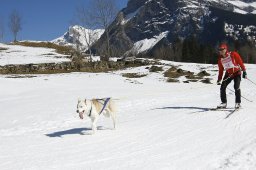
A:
(244, 74)
(219, 82)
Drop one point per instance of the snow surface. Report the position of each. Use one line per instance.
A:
(239, 6)
(15, 54)
(146, 44)
(242, 5)
(160, 125)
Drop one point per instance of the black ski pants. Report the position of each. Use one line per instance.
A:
(225, 83)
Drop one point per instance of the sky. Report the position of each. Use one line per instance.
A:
(42, 20)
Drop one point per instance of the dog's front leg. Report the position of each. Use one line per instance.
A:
(94, 126)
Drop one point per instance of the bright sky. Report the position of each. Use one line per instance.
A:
(42, 20)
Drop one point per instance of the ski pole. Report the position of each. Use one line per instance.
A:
(251, 81)
(241, 95)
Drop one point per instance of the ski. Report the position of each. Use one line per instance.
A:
(231, 113)
(220, 109)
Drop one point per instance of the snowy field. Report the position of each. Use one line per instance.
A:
(16, 54)
(164, 126)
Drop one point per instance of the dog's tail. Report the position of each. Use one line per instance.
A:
(112, 105)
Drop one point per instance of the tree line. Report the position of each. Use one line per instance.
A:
(193, 50)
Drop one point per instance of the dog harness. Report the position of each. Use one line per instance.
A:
(104, 105)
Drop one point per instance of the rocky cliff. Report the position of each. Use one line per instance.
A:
(146, 24)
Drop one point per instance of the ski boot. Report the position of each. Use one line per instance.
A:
(222, 106)
(237, 105)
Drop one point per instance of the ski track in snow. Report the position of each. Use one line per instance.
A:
(244, 156)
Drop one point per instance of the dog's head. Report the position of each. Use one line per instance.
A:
(82, 107)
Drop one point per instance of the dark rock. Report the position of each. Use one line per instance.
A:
(145, 19)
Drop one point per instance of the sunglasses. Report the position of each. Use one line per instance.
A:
(221, 49)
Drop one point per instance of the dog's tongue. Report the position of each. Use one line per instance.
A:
(81, 115)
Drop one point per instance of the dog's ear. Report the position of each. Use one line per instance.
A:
(79, 100)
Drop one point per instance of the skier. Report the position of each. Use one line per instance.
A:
(232, 63)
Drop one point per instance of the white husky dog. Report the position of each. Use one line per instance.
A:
(94, 108)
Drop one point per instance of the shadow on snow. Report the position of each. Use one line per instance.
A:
(199, 109)
(80, 131)
(68, 132)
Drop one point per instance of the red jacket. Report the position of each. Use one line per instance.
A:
(232, 63)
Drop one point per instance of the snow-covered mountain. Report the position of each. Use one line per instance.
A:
(211, 21)
(78, 36)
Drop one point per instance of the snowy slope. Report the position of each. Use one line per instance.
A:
(147, 44)
(160, 125)
(237, 6)
(15, 54)
(242, 7)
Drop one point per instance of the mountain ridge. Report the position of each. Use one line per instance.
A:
(207, 20)
(77, 37)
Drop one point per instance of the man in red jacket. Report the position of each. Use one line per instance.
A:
(232, 63)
